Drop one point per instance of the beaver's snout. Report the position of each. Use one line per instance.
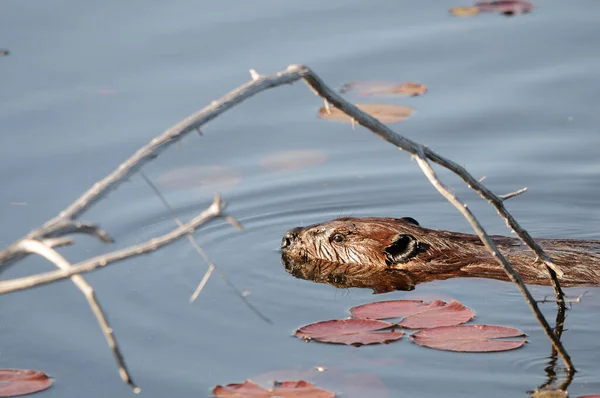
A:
(289, 238)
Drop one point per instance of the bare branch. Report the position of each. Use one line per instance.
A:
(89, 265)
(34, 246)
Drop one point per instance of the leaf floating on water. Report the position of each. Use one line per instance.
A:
(3, 52)
(286, 389)
(506, 7)
(384, 88)
(418, 314)
(206, 178)
(293, 160)
(439, 314)
(464, 11)
(15, 382)
(349, 331)
(469, 338)
(389, 309)
(386, 113)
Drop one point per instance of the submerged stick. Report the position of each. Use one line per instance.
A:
(33, 246)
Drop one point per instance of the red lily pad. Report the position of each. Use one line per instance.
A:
(418, 314)
(14, 382)
(506, 7)
(293, 160)
(384, 88)
(286, 389)
(206, 178)
(469, 338)
(386, 113)
(349, 331)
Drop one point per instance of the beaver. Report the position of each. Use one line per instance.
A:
(387, 254)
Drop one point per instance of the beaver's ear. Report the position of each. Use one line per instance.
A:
(410, 220)
(402, 249)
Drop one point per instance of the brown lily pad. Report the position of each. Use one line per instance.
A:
(469, 338)
(464, 11)
(417, 314)
(293, 160)
(355, 332)
(14, 382)
(384, 88)
(286, 389)
(386, 113)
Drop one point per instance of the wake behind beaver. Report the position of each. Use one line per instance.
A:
(387, 254)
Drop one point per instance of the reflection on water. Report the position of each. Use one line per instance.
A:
(509, 98)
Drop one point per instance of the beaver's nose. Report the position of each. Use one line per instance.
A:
(289, 238)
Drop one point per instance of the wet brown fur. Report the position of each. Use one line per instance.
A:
(359, 259)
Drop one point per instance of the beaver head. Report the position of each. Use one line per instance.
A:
(397, 253)
(358, 252)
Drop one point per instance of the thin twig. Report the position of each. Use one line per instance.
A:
(567, 300)
(202, 283)
(513, 194)
(202, 253)
(34, 246)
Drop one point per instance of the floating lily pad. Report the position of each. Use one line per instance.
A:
(349, 331)
(285, 389)
(14, 382)
(469, 338)
(386, 113)
(506, 7)
(384, 88)
(293, 160)
(418, 314)
(464, 11)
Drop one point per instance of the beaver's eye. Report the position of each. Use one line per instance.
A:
(337, 238)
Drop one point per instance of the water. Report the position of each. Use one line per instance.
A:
(85, 85)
